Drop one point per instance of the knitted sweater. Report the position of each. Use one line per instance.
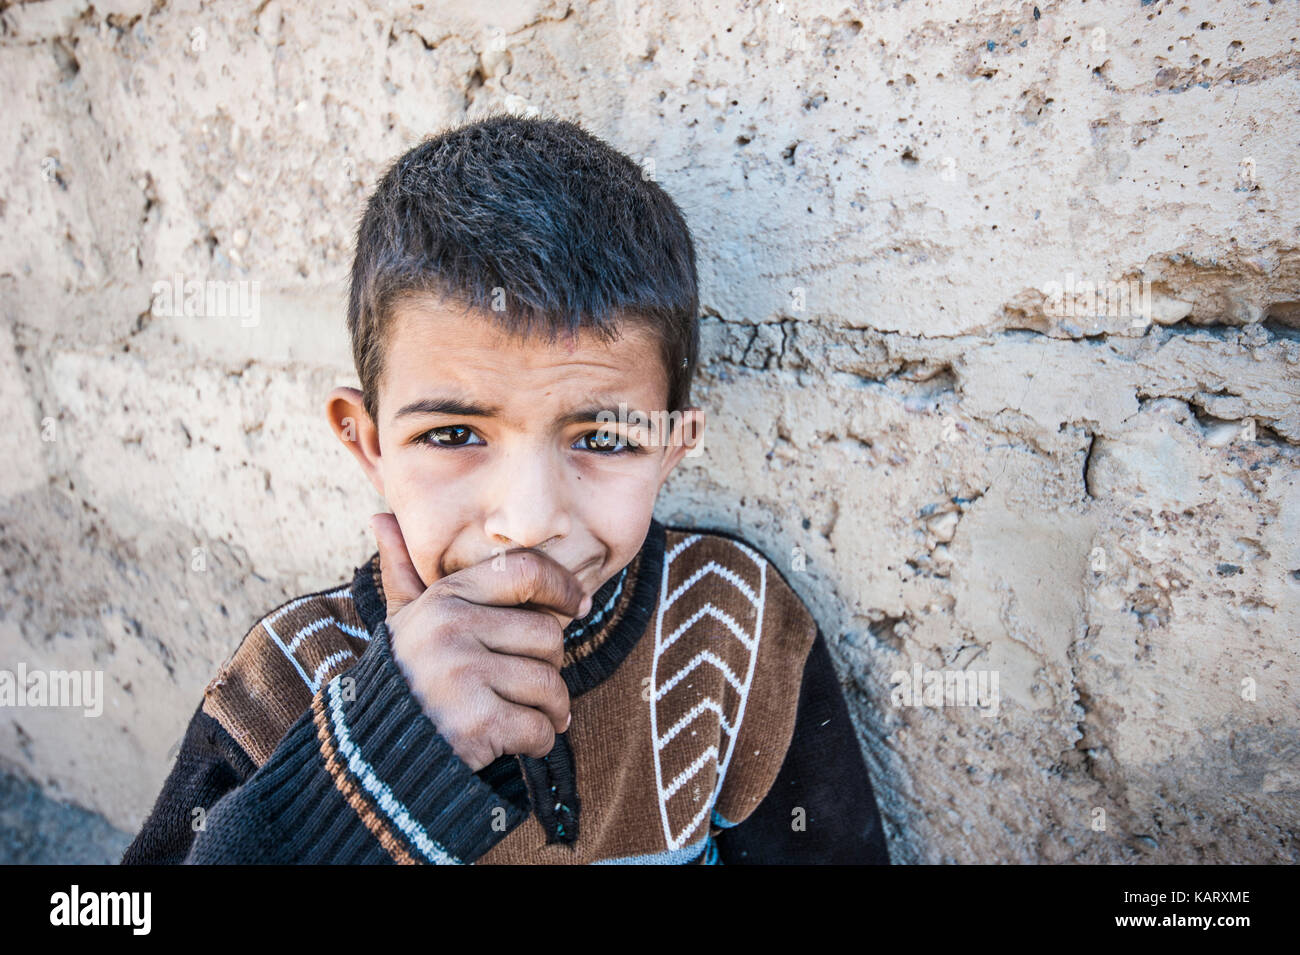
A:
(708, 725)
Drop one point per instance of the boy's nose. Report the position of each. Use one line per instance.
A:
(526, 505)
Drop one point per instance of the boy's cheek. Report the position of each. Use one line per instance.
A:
(420, 532)
(427, 567)
(426, 562)
(616, 517)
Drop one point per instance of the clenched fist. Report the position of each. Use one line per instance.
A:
(482, 648)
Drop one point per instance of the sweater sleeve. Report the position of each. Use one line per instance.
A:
(209, 765)
(821, 808)
(362, 776)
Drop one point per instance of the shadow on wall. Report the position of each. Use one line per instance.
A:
(37, 830)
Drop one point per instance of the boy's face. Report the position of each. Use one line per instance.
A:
(487, 442)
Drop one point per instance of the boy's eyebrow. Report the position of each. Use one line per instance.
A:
(456, 407)
(448, 406)
(592, 412)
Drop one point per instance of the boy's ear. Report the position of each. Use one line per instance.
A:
(687, 437)
(346, 411)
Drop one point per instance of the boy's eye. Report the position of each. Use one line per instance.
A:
(605, 441)
(452, 436)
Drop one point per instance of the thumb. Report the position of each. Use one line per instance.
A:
(398, 576)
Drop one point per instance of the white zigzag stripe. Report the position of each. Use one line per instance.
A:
(377, 788)
(704, 656)
(672, 554)
(712, 611)
(267, 623)
(285, 650)
(699, 816)
(677, 840)
(308, 630)
(758, 561)
(749, 676)
(359, 632)
(325, 664)
(715, 568)
(705, 704)
(684, 776)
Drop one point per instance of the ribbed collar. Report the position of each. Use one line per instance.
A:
(594, 645)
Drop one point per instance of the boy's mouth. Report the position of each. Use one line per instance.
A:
(577, 567)
(587, 567)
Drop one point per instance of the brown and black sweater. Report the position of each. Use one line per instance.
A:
(708, 726)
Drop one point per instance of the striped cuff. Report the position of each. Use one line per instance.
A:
(363, 776)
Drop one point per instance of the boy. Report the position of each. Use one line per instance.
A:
(531, 668)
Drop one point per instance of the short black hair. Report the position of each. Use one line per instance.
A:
(537, 222)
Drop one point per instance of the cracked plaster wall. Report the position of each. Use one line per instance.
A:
(1102, 511)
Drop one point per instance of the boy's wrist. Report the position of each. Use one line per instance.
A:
(362, 755)
(389, 753)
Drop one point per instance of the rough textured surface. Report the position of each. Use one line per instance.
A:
(37, 830)
(953, 469)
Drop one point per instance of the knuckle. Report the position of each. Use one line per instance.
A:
(548, 633)
(522, 677)
(461, 686)
(541, 735)
(473, 669)
(484, 725)
(451, 613)
(552, 684)
(539, 684)
(474, 753)
(550, 628)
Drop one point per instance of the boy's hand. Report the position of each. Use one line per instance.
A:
(485, 669)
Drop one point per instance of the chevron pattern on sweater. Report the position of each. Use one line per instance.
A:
(701, 673)
(281, 664)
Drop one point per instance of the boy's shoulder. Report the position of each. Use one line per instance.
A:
(727, 566)
(283, 659)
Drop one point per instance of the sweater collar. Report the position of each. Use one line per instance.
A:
(594, 645)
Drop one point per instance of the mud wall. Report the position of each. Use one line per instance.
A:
(1002, 328)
